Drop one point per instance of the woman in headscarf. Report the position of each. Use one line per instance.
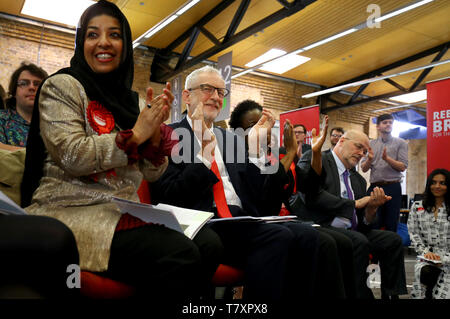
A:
(89, 142)
(429, 229)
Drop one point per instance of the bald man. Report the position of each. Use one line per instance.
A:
(341, 204)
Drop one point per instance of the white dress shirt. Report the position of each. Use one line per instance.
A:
(230, 194)
(341, 222)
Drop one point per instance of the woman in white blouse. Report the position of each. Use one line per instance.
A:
(429, 229)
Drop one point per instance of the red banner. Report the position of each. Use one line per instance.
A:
(438, 125)
(308, 116)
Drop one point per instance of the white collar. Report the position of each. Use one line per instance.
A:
(340, 166)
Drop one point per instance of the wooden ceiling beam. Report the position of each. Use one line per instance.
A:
(396, 64)
(158, 74)
(426, 71)
(367, 100)
(395, 84)
(236, 19)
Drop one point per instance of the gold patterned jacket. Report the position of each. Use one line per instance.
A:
(82, 171)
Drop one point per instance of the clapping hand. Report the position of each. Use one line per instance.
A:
(202, 132)
(384, 155)
(377, 198)
(317, 141)
(370, 154)
(150, 118)
(260, 131)
(290, 143)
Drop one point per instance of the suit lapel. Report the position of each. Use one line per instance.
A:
(358, 190)
(333, 174)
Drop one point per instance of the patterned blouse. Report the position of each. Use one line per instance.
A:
(430, 234)
(13, 128)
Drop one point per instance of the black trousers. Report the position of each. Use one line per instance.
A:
(35, 252)
(336, 271)
(164, 264)
(388, 248)
(320, 257)
(271, 256)
(428, 276)
(306, 256)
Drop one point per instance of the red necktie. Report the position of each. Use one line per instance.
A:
(219, 194)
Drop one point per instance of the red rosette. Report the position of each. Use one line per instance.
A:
(100, 119)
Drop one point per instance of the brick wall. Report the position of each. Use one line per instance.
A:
(20, 42)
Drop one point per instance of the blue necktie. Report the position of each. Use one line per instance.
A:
(350, 196)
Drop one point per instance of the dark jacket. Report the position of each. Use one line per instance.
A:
(323, 205)
(188, 183)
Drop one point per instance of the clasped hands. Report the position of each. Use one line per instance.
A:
(371, 203)
(150, 119)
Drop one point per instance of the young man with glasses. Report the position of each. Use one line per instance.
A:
(341, 204)
(15, 120)
(300, 135)
(335, 135)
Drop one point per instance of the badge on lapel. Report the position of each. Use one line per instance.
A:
(100, 119)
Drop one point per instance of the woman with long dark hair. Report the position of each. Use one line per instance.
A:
(92, 138)
(429, 229)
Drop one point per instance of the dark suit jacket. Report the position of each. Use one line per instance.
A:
(305, 148)
(324, 205)
(187, 182)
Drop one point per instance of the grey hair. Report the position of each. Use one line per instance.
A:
(192, 77)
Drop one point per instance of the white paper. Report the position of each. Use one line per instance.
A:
(187, 221)
(8, 207)
(263, 219)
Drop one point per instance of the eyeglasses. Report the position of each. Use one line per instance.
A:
(336, 135)
(26, 83)
(359, 146)
(209, 89)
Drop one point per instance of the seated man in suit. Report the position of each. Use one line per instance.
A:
(341, 205)
(213, 172)
(335, 278)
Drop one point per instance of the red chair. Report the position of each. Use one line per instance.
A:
(99, 287)
(227, 276)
